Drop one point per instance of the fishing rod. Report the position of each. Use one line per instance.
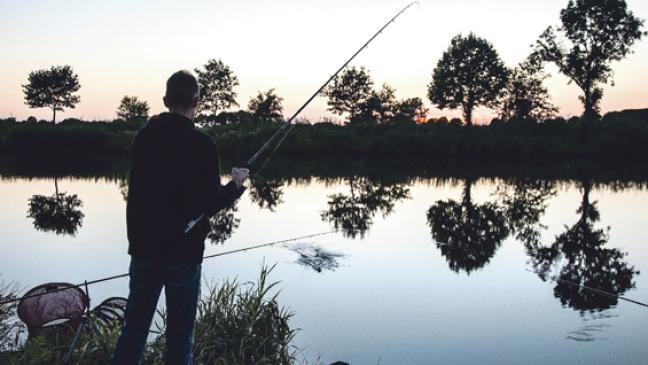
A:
(225, 253)
(287, 126)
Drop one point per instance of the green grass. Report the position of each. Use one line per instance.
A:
(236, 324)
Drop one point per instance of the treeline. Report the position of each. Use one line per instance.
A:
(617, 136)
(591, 36)
(70, 137)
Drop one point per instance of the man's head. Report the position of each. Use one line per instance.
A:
(182, 93)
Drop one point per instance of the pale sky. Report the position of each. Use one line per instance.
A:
(122, 47)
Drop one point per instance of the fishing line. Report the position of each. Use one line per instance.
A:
(594, 290)
(225, 253)
(287, 126)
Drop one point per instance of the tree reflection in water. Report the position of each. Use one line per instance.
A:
(353, 213)
(578, 257)
(467, 234)
(223, 224)
(59, 213)
(267, 194)
(524, 202)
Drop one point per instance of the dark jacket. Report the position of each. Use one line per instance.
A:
(174, 178)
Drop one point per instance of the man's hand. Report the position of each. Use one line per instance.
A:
(239, 175)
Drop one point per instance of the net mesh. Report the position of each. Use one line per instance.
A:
(55, 303)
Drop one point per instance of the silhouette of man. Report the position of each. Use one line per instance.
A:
(174, 178)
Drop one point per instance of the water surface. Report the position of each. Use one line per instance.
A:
(422, 270)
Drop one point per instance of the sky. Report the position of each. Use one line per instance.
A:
(129, 47)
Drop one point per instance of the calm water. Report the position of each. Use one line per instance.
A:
(422, 271)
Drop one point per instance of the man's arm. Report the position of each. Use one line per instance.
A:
(219, 196)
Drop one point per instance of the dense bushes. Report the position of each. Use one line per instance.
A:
(617, 136)
(70, 137)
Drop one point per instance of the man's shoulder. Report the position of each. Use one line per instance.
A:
(201, 137)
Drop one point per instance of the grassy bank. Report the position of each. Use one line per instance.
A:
(236, 324)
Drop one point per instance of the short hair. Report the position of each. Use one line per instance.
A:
(181, 89)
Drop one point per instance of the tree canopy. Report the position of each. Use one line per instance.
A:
(53, 88)
(525, 96)
(410, 110)
(593, 34)
(131, 107)
(380, 105)
(218, 82)
(349, 91)
(266, 105)
(469, 74)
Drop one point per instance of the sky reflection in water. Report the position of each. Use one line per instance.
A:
(458, 270)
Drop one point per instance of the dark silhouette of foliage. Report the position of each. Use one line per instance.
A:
(353, 213)
(131, 107)
(593, 34)
(467, 234)
(621, 137)
(266, 193)
(266, 105)
(218, 82)
(223, 224)
(523, 203)
(53, 88)
(379, 107)
(580, 258)
(59, 213)
(469, 74)
(349, 91)
(410, 110)
(525, 96)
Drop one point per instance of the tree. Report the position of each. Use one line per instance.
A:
(266, 105)
(594, 33)
(131, 108)
(218, 83)
(379, 106)
(349, 92)
(53, 88)
(469, 74)
(525, 96)
(410, 110)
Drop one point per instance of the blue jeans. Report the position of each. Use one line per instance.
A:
(181, 287)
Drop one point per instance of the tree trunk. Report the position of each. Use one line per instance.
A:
(589, 113)
(468, 115)
(54, 117)
(468, 108)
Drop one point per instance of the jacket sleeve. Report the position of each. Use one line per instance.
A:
(218, 196)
